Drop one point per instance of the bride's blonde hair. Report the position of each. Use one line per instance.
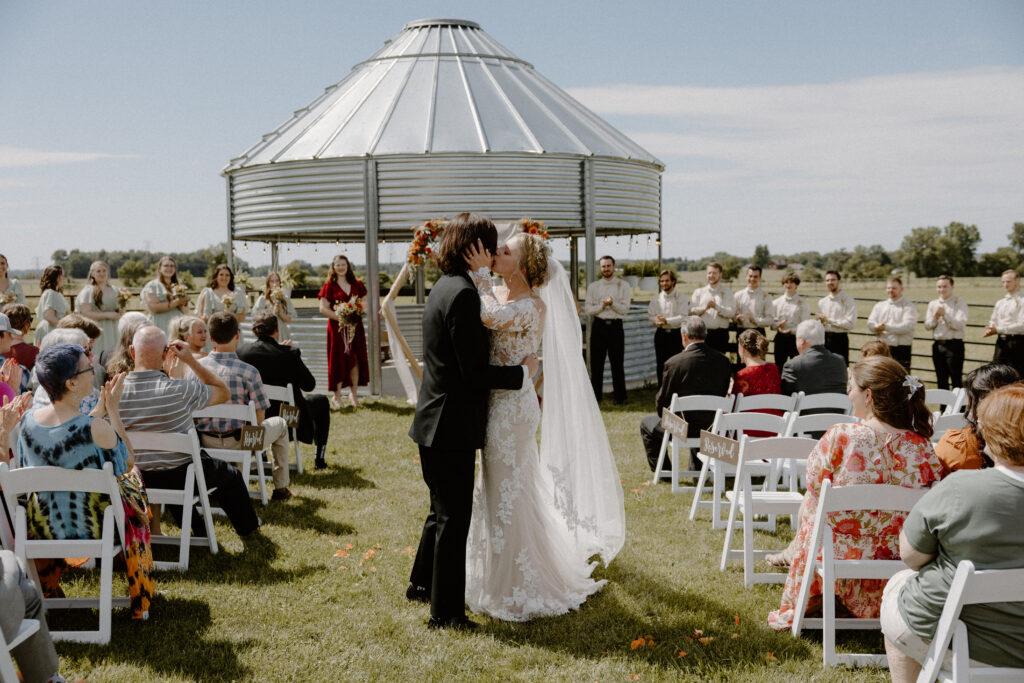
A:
(533, 258)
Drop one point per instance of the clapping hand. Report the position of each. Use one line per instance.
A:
(10, 413)
(10, 374)
(110, 396)
(477, 257)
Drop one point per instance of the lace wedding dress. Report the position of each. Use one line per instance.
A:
(522, 560)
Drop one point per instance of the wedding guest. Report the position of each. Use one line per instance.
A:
(77, 337)
(274, 299)
(280, 365)
(791, 309)
(757, 376)
(607, 303)
(947, 320)
(347, 364)
(816, 370)
(162, 297)
(875, 347)
(716, 306)
(10, 288)
(963, 449)
(698, 369)
(99, 301)
(837, 311)
(120, 359)
(890, 446)
(52, 305)
(76, 321)
(893, 321)
(11, 371)
(968, 516)
(193, 331)
(20, 319)
(754, 307)
(1008, 322)
(21, 599)
(666, 312)
(224, 295)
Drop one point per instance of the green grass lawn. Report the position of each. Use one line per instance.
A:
(318, 595)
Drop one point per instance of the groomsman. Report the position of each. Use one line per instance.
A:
(666, 312)
(893, 320)
(791, 309)
(1008, 322)
(754, 308)
(608, 302)
(716, 306)
(947, 318)
(838, 313)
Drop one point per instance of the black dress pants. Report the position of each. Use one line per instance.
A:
(232, 495)
(1010, 350)
(901, 354)
(785, 348)
(719, 340)
(607, 338)
(320, 416)
(667, 343)
(838, 342)
(948, 357)
(440, 563)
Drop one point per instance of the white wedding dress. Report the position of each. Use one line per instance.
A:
(523, 560)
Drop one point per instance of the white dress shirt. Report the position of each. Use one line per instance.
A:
(722, 314)
(899, 317)
(840, 311)
(790, 311)
(598, 291)
(756, 307)
(673, 306)
(1008, 314)
(952, 323)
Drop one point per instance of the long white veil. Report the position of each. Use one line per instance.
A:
(574, 444)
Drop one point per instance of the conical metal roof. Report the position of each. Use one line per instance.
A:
(442, 86)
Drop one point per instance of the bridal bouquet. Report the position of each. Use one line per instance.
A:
(123, 297)
(424, 236)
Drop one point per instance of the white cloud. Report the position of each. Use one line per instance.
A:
(21, 157)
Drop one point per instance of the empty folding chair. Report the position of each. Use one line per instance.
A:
(284, 395)
(944, 398)
(823, 403)
(781, 402)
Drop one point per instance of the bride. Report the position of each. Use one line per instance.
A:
(537, 521)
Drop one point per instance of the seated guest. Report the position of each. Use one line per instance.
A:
(875, 347)
(20, 599)
(74, 321)
(890, 446)
(280, 365)
(191, 330)
(120, 359)
(968, 516)
(10, 371)
(20, 318)
(66, 335)
(244, 382)
(757, 375)
(816, 370)
(58, 435)
(153, 402)
(699, 369)
(963, 449)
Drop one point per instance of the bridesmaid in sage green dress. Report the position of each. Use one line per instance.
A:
(161, 306)
(222, 295)
(98, 302)
(10, 289)
(274, 300)
(52, 304)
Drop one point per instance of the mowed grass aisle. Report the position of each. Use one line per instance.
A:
(320, 595)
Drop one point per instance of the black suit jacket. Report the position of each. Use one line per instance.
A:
(452, 409)
(278, 365)
(698, 369)
(816, 371)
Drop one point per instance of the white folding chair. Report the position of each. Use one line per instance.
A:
(28, 480)
(960, 404)
(732, 424)
(792, 471)
(943, 423)
(192, 493)
(877, 497)
(241, 458)
(680, 404)
(970, 587)
(833, 403)
(944, 397)
(743, 499)
(780, 402)
(7, 672)
(284, 395)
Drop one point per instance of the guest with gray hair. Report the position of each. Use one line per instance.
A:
(63, 335)
(816, 370)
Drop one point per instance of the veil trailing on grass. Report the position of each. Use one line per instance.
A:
(574, 444)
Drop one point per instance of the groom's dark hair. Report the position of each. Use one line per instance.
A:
(458, 234)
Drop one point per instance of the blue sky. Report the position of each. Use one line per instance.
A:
(803, 125)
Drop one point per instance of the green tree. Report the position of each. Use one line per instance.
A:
(131, 272)
(1017, 239)
(993, 264)
(931, 251)
(762, 256)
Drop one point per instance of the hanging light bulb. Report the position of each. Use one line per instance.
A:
(606, 238)
(616, 243)
(658, 242)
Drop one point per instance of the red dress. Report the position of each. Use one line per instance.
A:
(342, 354)
(759, 379)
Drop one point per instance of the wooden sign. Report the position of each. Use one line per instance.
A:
(719, 447)
(290, 415)
(673, 424)
(252, 438)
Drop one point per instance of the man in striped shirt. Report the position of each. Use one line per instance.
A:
(152, 402)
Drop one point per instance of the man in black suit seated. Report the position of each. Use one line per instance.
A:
(816, 370)
(698, 369)
(280, 364)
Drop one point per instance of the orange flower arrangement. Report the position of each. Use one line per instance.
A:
(424, 237)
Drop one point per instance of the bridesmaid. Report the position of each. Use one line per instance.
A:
(274, 299)
(98, 302)
(52, 304)
(223, 296)
(347, 364)
(10, 290)
(157, 296)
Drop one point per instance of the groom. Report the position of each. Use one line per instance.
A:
(451, 419)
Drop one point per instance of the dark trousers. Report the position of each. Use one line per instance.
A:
(652, 435)
(320, 414)
(785, 348)
(901, 354)
(719, 340)
(1010, 350)
(667, 343)
(607, 338)
(440, 562)
(948, 357)
(838, 342)
(231, 494)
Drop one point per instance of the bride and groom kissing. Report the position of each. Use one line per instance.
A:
(518, 542)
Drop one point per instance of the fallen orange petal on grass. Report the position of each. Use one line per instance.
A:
(681, 654)
(340, 553)
(636, 490)
(373, 570)
(737, 619)
(647, 483)
(771, 658)
(348, 546)
(698, 632)
(634, 677)
(735, 636)
(342, 567)
(707, 640)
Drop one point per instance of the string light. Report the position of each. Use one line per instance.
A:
(606, 238)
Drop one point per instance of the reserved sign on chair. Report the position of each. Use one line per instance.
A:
(719, 447)
(673, 424)
(252, 438)
(290, 415)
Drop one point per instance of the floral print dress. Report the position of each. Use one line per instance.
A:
(851, 454)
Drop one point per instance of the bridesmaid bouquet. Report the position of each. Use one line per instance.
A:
(277, 295)
(123, 297)
(349, 314)
(228, 299)
(179, 290)
(9, 299)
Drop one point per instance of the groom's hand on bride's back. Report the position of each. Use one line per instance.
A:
(532, 363)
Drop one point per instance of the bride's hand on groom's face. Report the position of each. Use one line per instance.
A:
(477, 257)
